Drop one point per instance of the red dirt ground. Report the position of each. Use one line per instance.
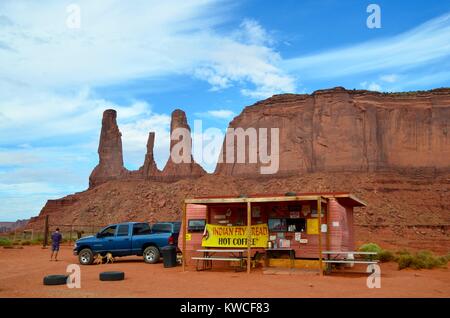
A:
(22, 272)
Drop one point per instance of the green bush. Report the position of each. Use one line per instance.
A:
(403, 252)
(5, 241)
(404, 260)
(386, 256)
(420, 260)
(370, 247)
(447, 257)
(37, 241)
(443, 260)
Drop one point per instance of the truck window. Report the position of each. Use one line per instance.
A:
(141, 229)
(162, 227)
(176, 227)
(109, 231)
(123, 230)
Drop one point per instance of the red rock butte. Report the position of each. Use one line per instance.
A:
(110, 154)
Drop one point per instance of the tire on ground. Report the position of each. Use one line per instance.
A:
(112, 276)
(151, 255)
(85, 257)
(55, 280)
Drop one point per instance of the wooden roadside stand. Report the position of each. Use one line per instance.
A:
(337, 210)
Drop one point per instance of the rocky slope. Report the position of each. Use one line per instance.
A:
(402, 210)
(392, 150)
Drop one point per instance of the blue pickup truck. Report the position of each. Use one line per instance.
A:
(127, 239)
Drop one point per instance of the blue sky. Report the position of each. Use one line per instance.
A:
(209, 58)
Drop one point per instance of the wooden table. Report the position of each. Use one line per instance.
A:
(209, 257)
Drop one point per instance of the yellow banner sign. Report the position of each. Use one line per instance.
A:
(235, 236)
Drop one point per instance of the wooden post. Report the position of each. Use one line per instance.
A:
(328, 225)
(249, 236)
(319, 215)
(184, 236)
(71, 230)
(45, 243)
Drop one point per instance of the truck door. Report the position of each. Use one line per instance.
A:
(105, 239)
(122, 242)
(141, 232)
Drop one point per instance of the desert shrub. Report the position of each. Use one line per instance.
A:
(5, 241)
(404, 260)
(447, 257)
(402, 252)
(423, 259)
(37, 241)
(443, 260)
(370, 247)
(420, 260)
(386, 256)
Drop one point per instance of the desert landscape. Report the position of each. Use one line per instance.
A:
(391, 150)
(188, 152)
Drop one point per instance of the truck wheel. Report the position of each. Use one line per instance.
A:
(151, 255)
(86, 257)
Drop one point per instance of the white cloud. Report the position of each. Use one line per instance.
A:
(222, 113)
(253, 33)
(226, 114)
(118, 41)
(427, 43)
(372, 86)
(38, 115)
(389, 78)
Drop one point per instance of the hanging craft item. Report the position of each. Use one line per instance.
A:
(306, 209)
(256, 212)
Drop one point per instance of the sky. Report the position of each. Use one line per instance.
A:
(62, 63)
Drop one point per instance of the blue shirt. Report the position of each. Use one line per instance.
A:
(56, 238)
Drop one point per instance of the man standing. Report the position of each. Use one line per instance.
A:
(56, 240)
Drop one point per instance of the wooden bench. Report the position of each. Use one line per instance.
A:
(336, 260)
(208, 258)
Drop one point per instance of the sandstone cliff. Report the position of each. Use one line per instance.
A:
(343, 130)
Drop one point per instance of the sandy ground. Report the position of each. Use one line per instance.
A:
(22, 272)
